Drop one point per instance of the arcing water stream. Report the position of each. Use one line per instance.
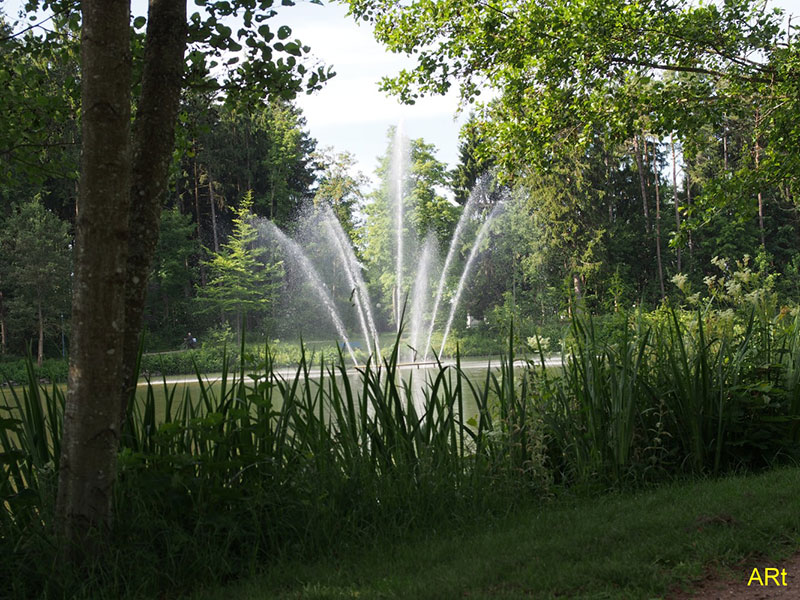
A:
(465, 273)
(337, 236)
(420, 293)
(322, 227)
(399, 155)
(268, 228)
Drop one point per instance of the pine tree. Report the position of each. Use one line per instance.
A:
(244, 282)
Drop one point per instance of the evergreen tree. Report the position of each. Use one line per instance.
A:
(170, 297)
(263, 149)
(474, 159)
(243, 282)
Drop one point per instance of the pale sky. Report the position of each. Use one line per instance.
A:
(350, 113)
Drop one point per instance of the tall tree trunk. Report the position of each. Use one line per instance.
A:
(213, 213)
(658, 225)
(40, 347)
(675, 201)
(637, 150)
(2, 326)
(689, 239)
(247, 154)
(91, 417)
(725, 143)
(153, 141)
(197, 195)
(577, 287)
(760, 201)
(608, 183)
(197, 215)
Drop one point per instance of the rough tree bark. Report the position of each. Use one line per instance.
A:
(121, 192)
(675, 200)
(91, 416)
(637, 150)
(658, 225)
(153, 141)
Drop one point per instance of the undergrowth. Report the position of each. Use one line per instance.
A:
(264, 467)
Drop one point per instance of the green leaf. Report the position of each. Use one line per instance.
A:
(6, 423)
(9, 458)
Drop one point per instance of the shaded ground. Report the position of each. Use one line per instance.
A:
(733, 586)
(697, 539)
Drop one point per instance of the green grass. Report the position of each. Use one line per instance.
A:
(246, 474)
(617, 545)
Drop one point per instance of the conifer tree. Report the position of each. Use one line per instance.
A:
(244, 282)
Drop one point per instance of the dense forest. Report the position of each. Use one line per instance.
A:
(656, 177)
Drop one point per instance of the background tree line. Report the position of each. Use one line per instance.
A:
(677, 167)
(640, 140)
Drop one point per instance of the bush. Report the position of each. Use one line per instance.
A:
(183, 362)
(15, 370)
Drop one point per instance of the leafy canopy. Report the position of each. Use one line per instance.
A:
(562, 69)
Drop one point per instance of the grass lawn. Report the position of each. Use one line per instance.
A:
(629, 545)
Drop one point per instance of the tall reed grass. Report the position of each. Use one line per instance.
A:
(664, 396)
(262, 466)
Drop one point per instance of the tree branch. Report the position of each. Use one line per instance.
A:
(55, 14)
(684, 69)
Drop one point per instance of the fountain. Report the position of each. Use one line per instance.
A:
(419, 293)
(267, 229)
(465, 273)
(398, 163)
(333, 229)
(320, 228)
(479, 192)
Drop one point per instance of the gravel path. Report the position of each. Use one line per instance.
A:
(734, 587)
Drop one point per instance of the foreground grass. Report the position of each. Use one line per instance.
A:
(630, 545)
(402, 492)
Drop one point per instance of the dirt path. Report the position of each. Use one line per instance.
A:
(735, 587)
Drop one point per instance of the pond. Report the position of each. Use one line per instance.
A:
(417, 375)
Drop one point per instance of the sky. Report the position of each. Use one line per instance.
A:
(350, 113)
